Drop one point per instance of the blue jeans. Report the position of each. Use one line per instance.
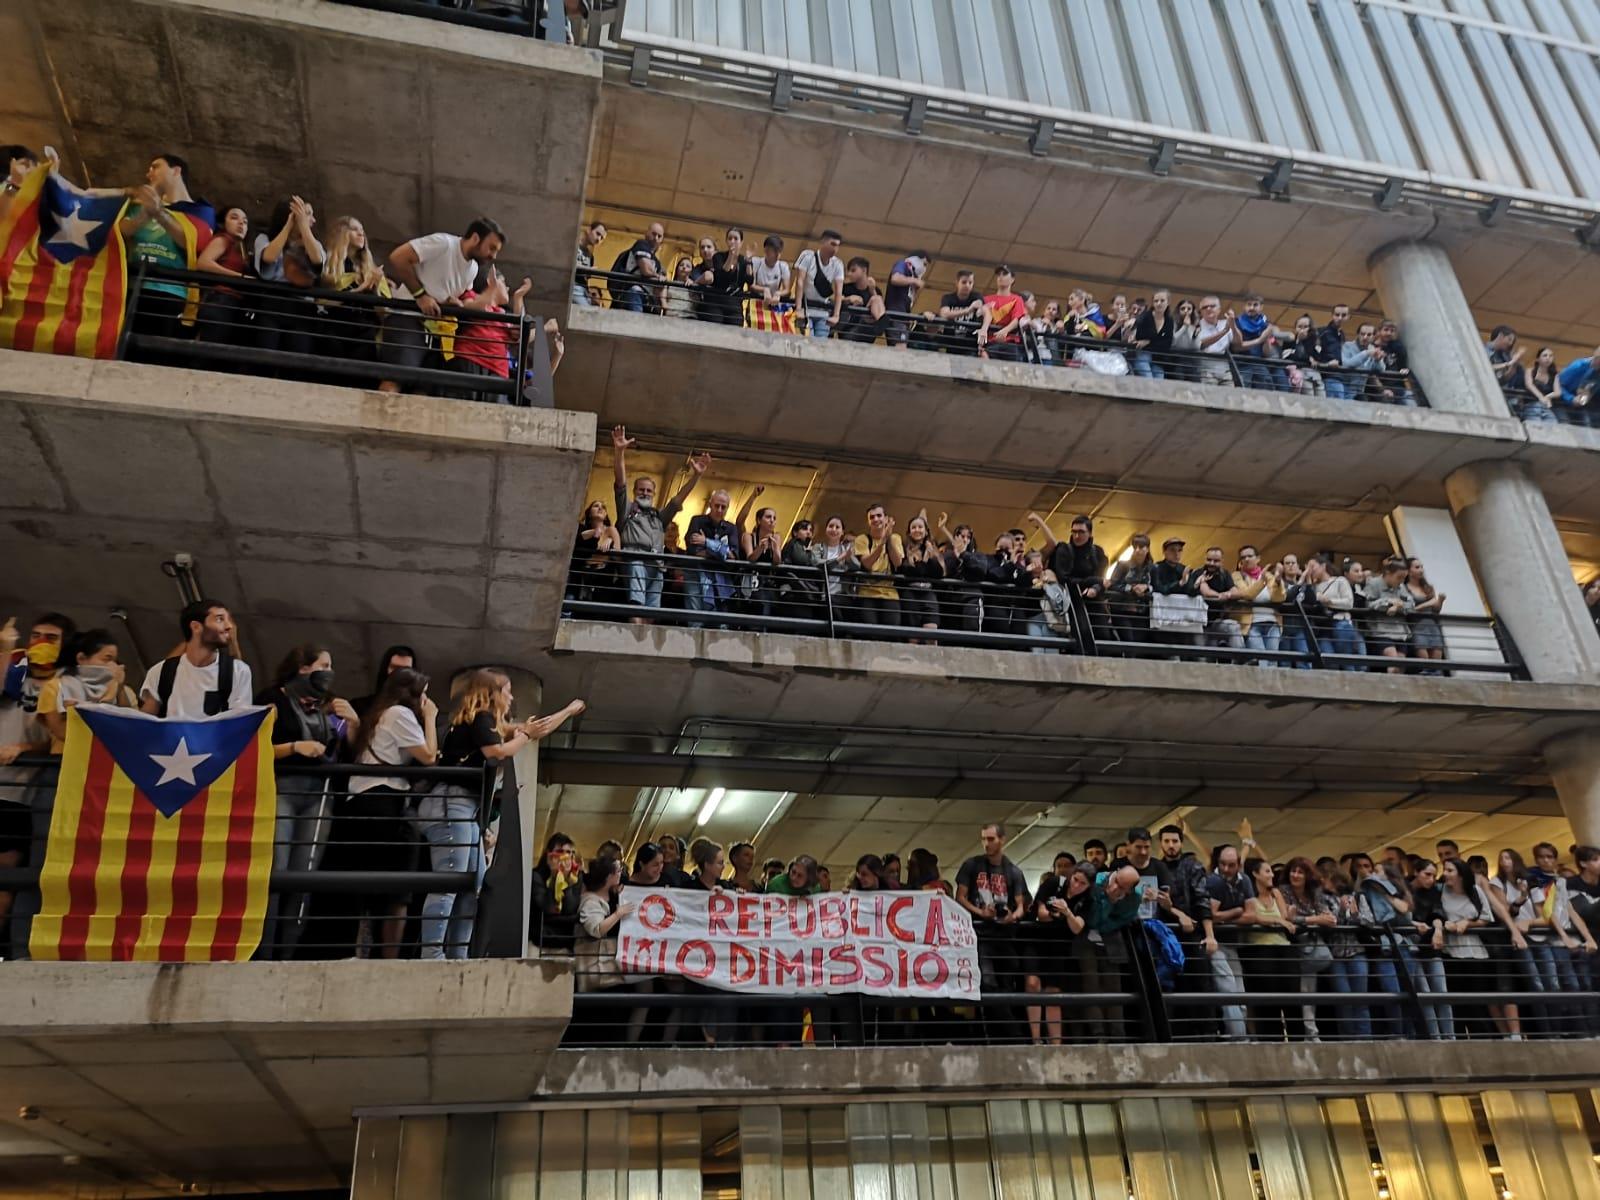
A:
(699, 594)
(1295, 639)
(1259, 374)
(1538, 414)
(1443, 1022)
(1387, 979)
(1333, 386)
(301, 833)
(450, 823)
(1145, 367)
(644, 584)
(632, 300)
(1553, 974)
(818, 327)
(1227, 978)
(1349, 976)
(1346, 639)
(1264, 635)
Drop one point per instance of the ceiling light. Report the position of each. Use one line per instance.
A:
(709, 808)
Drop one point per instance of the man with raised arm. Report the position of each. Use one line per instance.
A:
(643, 525)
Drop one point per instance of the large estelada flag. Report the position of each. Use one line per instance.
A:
(63, 269)
(161, 841)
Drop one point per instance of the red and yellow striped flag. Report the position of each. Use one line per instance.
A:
(63, 269)
(161, 841)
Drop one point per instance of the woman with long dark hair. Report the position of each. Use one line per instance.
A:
(369, 831)
(1315, 915)
(225, 314)
(921, 568)
(594, 573)
(1427, 636)
(730, 275)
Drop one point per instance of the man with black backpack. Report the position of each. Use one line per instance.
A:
(205, 679)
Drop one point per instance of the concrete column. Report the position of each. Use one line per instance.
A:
(1574, 763)
(1419, 289)
(1522, 567)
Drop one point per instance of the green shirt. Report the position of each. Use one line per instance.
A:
(780, 886)
(151, 243)
(1107, 916)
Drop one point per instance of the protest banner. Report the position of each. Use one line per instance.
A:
(917, 945)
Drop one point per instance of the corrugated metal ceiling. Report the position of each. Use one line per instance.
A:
(1505, 93)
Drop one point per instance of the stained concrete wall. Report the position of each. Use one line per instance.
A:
(411, 124)
(326, 513)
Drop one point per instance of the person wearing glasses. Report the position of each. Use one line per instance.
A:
(1216, 335)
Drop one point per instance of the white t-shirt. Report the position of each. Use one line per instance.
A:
(398, 730)
(775, 277)
(810, 263)
(189, 688)
(441, 270)
(1210, 329)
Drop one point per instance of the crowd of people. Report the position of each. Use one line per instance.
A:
(935, 575)
(1543, 390)
(1400, 926)
(367, 822)
(452, 310)
(823, 294)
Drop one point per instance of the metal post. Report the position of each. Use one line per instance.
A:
(131, 311)
(1152, 1004)
(503, 899)
(1311, 633)
(827, 600)
(1409, 999)
(1080, 617)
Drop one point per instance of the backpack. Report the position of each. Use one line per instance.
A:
(1166, 953)
(215, 702)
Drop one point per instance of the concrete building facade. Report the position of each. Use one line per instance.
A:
(1101, 144)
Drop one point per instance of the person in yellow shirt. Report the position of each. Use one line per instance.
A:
(880, 552)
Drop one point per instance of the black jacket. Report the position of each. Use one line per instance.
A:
(1083, 565)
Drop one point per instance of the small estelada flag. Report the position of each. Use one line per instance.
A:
(161, 841)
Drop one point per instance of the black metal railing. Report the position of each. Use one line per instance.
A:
(1037, 341)
(352, 871)
(835, 600)
(251, 326)
(544, 19)
(1521, 403)
(1041, 987)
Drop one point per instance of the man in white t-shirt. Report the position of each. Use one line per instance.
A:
(205, 679)
(435, 270)
(1216, 335)
(821, 290)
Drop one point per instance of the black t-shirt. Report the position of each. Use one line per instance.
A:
(1080, 905)
(951, 300)
(295, 724)
(1220, 582)
(987, 884)
(1585, 900)
(463, 744)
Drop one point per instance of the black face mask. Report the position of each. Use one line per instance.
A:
(318, 683)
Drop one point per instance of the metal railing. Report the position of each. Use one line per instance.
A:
(1035, 342)
(246, 325)
(1522, 405)
(1371, 983)
(352, 870)
(829, 601)
(530, 18)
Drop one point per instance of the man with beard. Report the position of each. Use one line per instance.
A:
(204, 679)
(436, 270)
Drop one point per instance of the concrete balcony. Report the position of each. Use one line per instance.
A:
(326, 513)
(156, 1080)
(815, 715)
(757, 395)
(410, 124)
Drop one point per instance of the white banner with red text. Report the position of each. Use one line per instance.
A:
(916, 945)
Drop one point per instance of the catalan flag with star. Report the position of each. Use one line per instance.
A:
(63, 269)
(161, 841)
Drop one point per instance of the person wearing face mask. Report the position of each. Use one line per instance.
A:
(25, 826)
(311, 726)
(90, 674)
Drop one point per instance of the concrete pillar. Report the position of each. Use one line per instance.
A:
(1418, 288)
(1574, 763)
(1523, 569)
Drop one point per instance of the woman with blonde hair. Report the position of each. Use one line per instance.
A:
(349, 330)
(482, 733)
